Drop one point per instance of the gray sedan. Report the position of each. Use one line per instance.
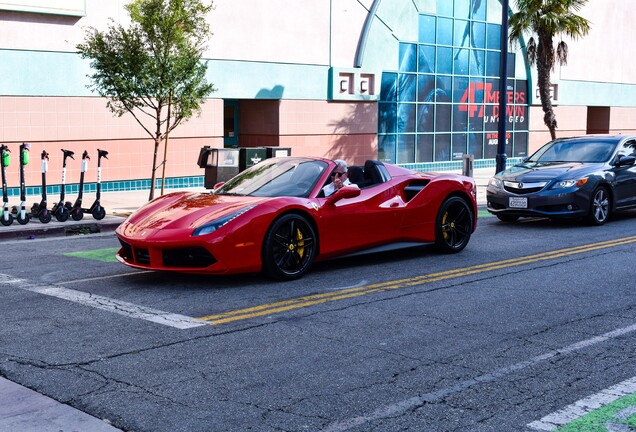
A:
(586, 177)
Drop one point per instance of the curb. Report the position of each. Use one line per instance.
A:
(60, 229)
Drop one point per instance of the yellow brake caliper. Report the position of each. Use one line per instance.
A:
(301, 243)
(451, 226)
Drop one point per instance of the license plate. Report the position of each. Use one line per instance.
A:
(518, 202)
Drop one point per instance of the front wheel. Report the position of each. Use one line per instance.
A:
(44, 216)
(98, 213)
(61, 213)
(77, 214)
(599, 207)
(289, 247)
(23, 220)
(454, 225)
(6, 218)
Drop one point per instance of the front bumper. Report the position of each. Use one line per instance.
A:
(552, 203)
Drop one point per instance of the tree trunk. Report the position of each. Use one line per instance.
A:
(545, 61)
(154, 169)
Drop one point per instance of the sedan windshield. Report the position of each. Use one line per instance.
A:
(574, 151)
(276, 177)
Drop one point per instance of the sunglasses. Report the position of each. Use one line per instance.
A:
(339, 174)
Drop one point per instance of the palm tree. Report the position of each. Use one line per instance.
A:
(547, 19)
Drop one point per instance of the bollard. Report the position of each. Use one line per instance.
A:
(467, 164)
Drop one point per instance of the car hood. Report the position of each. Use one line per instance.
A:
(538, 172)
(186, 210)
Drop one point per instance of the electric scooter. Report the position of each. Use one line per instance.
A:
(21, 213)
(96, 208)
(77, 213)
(39, 210)
(6, 218)
(59, 210)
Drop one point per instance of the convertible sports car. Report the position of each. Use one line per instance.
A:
(274, 217)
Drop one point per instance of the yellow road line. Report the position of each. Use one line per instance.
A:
(315, 299)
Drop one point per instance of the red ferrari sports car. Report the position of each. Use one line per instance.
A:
(274, 217)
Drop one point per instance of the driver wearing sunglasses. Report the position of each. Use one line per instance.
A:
(338, 178)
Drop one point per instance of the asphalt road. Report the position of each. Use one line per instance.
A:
(528, 319)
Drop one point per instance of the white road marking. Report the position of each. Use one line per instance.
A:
(584, 406)
(417, 401)
(105, 303)
(74, 281)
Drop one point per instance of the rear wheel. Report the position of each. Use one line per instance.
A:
(599, 207)
(454, 225)
(507, 218)
(289, 247)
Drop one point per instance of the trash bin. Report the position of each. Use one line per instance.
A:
(249, 156)
(220, 165)
(278, 152)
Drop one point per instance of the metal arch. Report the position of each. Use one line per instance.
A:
(365, 33)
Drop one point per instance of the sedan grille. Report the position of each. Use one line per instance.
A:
(521, 188)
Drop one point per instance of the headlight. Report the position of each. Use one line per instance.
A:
(563, 184)
(210, 227)
(494, 182)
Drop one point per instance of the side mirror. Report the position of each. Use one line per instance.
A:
(626, 160)
(218, 185)
(344, 192)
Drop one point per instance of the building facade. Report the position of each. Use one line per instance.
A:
(413, 82)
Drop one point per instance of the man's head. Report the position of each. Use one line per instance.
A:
(340, 171)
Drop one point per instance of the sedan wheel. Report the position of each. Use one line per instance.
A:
(454, 225)
(289, 247)
(599, 208)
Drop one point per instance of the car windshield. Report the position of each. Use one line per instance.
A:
(574, 151)
(276, 177)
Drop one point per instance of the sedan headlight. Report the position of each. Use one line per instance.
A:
(210, 227)
(494, 182)
(564, 184)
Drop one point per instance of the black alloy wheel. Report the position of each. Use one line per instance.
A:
(454, 225)
(289, 248)
(599, 207)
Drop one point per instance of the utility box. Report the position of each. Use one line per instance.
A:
(220, 165)
(249, 156)
(467, 164)
(278, 152)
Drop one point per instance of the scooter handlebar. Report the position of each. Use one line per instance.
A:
(102, 153)
(85, 155)
(68, 153)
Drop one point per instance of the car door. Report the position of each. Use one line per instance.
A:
(625, 177)
(351, 224)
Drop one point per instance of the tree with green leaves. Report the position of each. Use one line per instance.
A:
(547, 19)
(152, 69)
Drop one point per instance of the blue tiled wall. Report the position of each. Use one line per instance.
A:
(114, 186)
